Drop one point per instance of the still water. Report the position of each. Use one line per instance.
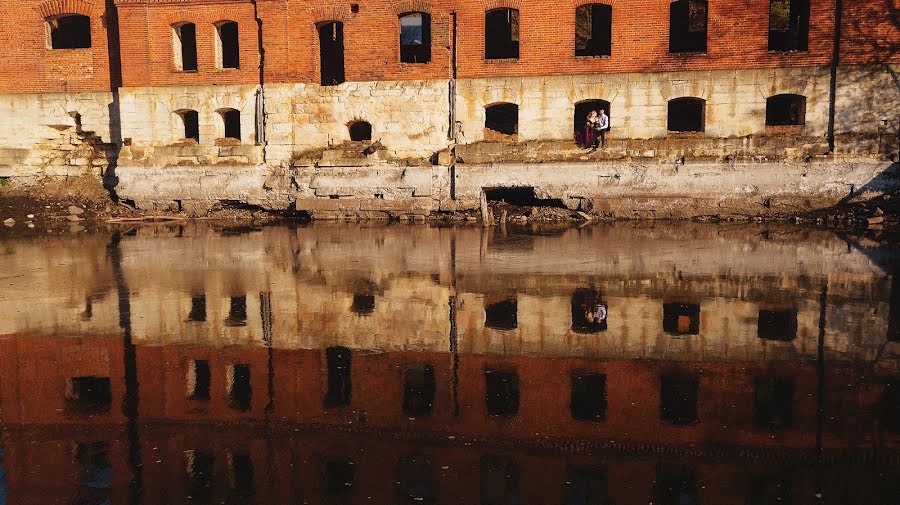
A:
(672, 364)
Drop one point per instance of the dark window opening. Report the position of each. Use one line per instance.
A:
(502, 118)
(681, 318)
(200, 380)
(773, 402)
(237, 311)
(89, 395)
(687, 26)
(71, 31)
(415, 38)
(186, 48)
(338, 477)
(588, 312)
(241, 391)
(94, 468)
(331, 53)
(893, 334)
(501, 315)
(499, 481)
(777, 324)
(417, 483)
(582, 110)
(686, 115)
(191, 121)
(588, 401)
(675, 485)
(890, 406)
(232, 122)
(240, 473)
(587, 486)
(229, 45)
(785, 110)
(88, 312)
(788, 25)
(200, 469)
(521, 196)
(360, 131)
(501, 34)
(363, 304)
(198, 308)
(678, 399)
(501, 392)
(339, 384)
(768, 489)
(418, 390)
(593, 30)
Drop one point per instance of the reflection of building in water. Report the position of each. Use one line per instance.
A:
(289, 329)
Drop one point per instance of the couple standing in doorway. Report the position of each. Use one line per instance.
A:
(595, 127)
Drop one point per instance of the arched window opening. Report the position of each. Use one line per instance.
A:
(331, 53)
(70, 31)
(191, 120)
(185, 46)
(227, 45)
(584, 135)
(415, 37)
(785, 110)
(231, 119)
(687, 26)
(360, 131)
(501, 34)
(593, 30)
(788, 25)
(502, 118)
(588, 311)
(687, 115)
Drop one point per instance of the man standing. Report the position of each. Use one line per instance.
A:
(602, 127)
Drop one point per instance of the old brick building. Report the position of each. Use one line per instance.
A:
(277, 103)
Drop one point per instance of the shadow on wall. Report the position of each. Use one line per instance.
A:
(886, 183)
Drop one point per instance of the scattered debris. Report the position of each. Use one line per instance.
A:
(9, 222)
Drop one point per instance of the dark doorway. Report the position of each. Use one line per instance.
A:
(687, 26)
(678, 398)
(501, 34)
(501, 392)
(777, 324)
(681, 318)
(686, 115)
(788, 25)
(593, 30)
(339, 385)
(229, 45)
(72, 31)
(360, 131)
(232, 121)
(501, 315)
(588, 401)
(418, 390)
(502, 118)
(201, 380)
(588, 312)
(191, 121)
(89, 395)
(415, 37)
(331, 53)
(241, 391)
(773, 402)
(582, 109)
(785, 110)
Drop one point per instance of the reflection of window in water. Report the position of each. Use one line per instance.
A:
(675, 485)
(681, 318)
(418, 390)
(416, 480)
(199, 468)
(501, 314)
(237, 312)
(890, 406)
(198, 309)
(3, 483)
(339, 386)
(773, 402)
(588, 312)
(769, 488)
(240, 472)
(199, 378)
(588, 397)
(499, 481)
(894, 311)
(239, 389)
(338, 477)
(88, 395)
(587, 486)
(363, 304)
(95, 470)
(777, 324)
(678, 398)
(501, 392)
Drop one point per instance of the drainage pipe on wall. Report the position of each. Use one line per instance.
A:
(260, 93)
(835, 61)
(452, 130)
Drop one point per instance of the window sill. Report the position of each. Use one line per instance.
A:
(501, 60)
(228, 142)
(69, 49)
(793, 129)
(788, 51)
(417, 63)
(685, 135)
(593, 57)
(689, 53)
(229, 69)
(180, 71)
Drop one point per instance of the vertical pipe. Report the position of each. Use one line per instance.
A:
(260, 94)
(452, 133)
(835, 61)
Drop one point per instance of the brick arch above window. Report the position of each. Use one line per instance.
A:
(579, 3)
(490, 5)
(408, 6)
(58, 7)
(328, 14)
